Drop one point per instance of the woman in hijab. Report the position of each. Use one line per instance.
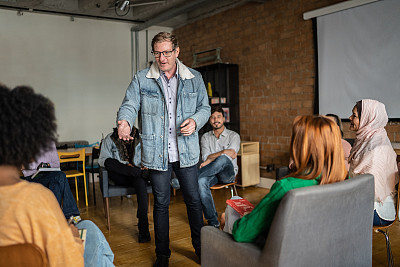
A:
(373, 153)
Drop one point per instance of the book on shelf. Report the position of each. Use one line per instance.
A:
(242, 205)
(226, 114)
(214, 100)
(217, 100)
(45, 170)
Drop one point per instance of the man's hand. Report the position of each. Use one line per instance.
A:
(124, 130)
(74, 230)
(187, 127)
(206, 162)
(231, 153)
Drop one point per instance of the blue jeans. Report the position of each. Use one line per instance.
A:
(378, 221)
(57, 182)
(219, 171)
(160, 181)
(97, 250)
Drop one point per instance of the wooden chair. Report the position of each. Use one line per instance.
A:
(79, 157)
(232, 186)
(21, 255)
(384, 231)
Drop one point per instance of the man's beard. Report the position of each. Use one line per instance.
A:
(216, 127)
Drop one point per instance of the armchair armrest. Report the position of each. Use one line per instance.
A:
(219, 249)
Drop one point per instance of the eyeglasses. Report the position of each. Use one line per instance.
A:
(157, 54)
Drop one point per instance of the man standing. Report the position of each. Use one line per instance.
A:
(219, 149)
(173, 106)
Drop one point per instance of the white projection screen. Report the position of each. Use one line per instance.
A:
(359, 57)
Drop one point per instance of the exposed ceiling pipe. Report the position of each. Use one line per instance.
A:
(68, 14)
(166, 15)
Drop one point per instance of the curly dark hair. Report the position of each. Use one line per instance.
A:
(27, 123)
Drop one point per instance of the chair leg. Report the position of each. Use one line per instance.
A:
(84, 182)
(76, 189)
(174, 191)
(104, 207)
(231, 187)
(234, 186)
(107, 206)
(94, 193)
(388, 248)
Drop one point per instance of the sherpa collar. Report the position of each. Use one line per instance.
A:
(183, 71)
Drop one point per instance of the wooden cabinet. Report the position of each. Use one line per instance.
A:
(249, 164)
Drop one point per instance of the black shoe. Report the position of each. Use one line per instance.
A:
(215, 225)
(162, 261)
(144, 237)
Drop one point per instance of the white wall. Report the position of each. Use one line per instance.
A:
(83, 66)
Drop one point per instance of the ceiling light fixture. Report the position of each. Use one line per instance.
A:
(124, 5)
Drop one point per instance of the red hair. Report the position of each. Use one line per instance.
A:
(316, 149)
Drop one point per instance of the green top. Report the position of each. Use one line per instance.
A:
(258, 222)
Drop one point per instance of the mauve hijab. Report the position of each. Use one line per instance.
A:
(372, 151)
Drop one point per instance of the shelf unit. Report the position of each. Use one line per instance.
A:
(224, 80)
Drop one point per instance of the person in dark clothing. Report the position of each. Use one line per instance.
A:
(117, 156)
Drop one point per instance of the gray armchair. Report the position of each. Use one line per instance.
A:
(327, 225)
(109, 190)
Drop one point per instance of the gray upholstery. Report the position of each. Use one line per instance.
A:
(109, 190)
(326, 225)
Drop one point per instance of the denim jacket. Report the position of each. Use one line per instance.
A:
(146, 93)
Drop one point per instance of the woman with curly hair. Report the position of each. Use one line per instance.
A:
(317, 153)
(30, 212)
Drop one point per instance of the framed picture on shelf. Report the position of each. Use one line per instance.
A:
(226, 114)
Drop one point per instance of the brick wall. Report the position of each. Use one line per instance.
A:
(274, 48)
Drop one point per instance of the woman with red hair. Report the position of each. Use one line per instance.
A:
(317, 153)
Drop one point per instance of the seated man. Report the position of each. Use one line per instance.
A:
(56, 181)
(117, 157)
(219, 149)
